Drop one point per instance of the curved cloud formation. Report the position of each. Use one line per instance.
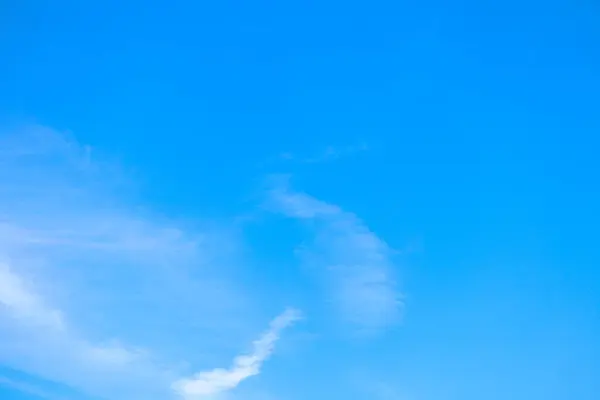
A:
(209, 384)
(355, 261)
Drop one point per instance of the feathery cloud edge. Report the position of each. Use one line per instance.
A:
(356, 262)
(209, 384)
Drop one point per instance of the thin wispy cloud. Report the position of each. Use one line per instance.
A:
(38, 338)
(85, 274)
(24, 305)
(210, 384)
(358, 270)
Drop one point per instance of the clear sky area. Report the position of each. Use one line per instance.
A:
(299, 200)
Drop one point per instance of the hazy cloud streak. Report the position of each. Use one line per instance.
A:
(208, 384)
(357, 262)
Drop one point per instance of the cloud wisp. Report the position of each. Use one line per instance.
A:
(38, 338)
(211, 384)
(26, 306)
(357, 265)
(84, 270)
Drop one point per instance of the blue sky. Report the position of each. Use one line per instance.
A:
(299, 200)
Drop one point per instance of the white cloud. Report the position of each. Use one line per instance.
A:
(209, 384)
(25, 305)
(84, 270)
(360, 274)
(38, 338)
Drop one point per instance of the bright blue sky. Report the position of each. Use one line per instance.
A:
(299, 200)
